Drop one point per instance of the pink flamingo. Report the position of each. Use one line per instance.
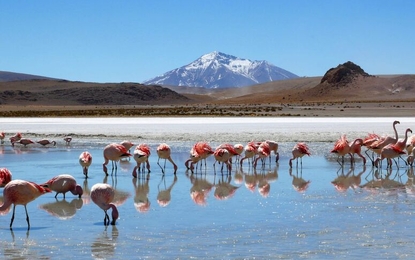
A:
(67, 139)
(194, 158)
(239, 148)
(85, 160)
(62, 184)
(263, 152)
(356, 148)
(20, 192)
(102, 194)
(250, 151)
(299, 150)
(24, 141)
(273, 147)
(402, 143)
(2, 136)
(45, 142)
(113, 152)
(5, 176)
(222, 155)
(15, 138)
(341, 148)
(377, 146)
(164, 152)
(389, 152)
(410, 144)
(141, 155)
(200, 152)
(231, 150)
(127, 145)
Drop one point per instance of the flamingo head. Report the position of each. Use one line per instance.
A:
(115, 214)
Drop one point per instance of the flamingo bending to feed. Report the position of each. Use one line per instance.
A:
(164, 152)
(273, 147)
(389, 152)
(24, 141)
(113, 152)
(2, 136)
(200, 152)
(250, 151)
(62, 184)
(263, 152)
(299, 150)
(356, 148)
(45, 142)
(127, 145)
(67, 139)
(85, 160)
(15, 138)
(222, 155)
(5, 177)
(102, 194)
(141, 155)
(20, 192)
(341, 148)
(194, 158)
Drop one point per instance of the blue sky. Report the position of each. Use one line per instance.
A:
(132, 41)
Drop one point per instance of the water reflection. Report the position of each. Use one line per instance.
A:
(224, 189)
(63, 209)
(349, 180)
(164, 195)
(384, 181)
(20, 248)
(142, 189)
(261, 180)
(200, 189)
(299, 184)
(104, 245)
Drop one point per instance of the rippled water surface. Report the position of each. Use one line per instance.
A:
(303, 215)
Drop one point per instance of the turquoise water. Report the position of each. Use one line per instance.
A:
(320, 222)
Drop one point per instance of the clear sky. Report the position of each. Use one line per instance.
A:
(133, 41)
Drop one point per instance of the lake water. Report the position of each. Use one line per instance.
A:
(372, 217)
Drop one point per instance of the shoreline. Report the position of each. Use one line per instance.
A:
(324, 109)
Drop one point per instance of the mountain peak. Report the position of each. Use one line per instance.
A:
(219, 70)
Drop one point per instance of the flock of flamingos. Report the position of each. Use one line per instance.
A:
(21, 192)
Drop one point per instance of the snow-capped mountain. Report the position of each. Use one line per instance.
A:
(220, 70)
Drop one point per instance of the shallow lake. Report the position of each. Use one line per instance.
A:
(319, 210)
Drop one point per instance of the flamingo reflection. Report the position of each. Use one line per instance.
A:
(142, 189)
(200, 189)
(299, 184)
(62, 209)
(349, 180)
(104, 245)
(164, 196)
(223, 189)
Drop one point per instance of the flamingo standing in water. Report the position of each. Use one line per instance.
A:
(356, 148)
(377, 146)
(5, 177)
(67, 139)
(85, 160)
(273, 147)
(24, 141)
(62, 184)
(141, 155)
(102, 194)
(239, 148)
(222, 155)
(250, 151)
(2, 136)
(127, 145)
(45, 142)
(341, 148)
(194, 158)
(299, 150)
(389, 152)
(410, 144)
(20, 192)
(164, 152)
(204, 150)
(263, 152)
(113, 152)
(15, 138)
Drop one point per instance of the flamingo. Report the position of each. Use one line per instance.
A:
(102, 194)
(341, 148)
(164, 152)
(62, 184)
(384, 141)
(85, 160)
(410, 144)
(20, 192)
(24, 141)
(273, 147)
(402, 143)
(2, 136)
(45, 142)
(222, 155)
(299, 150)
(113, 152)
(5, 176)
(263, 152)
(127, 145)
(68, 139)
(231, 150)
(250, 151)
(356, 148)
(389, 152)
(15, 138)
(204, 150)
(411, 157)
(141, 155)
(239, 148)
(194, 158)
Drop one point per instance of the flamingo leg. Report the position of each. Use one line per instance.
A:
(11, 221)
(27, 218)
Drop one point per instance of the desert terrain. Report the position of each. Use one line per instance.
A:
(344, 91)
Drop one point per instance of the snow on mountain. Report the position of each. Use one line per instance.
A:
(220, 70)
